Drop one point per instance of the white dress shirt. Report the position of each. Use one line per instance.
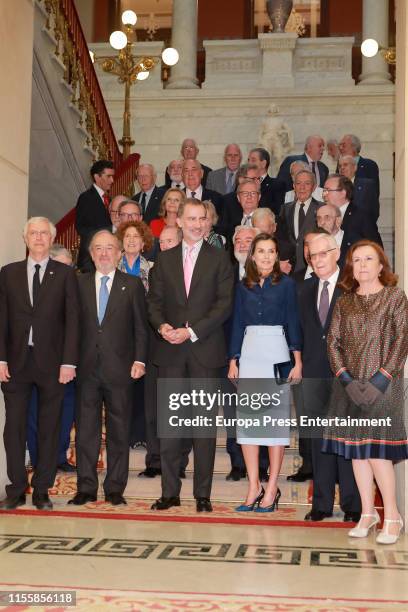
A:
(330, 287)
(296, 217)
(98, 276)
(101, 192)
(343, 209)
(198, 192)
(194, 255)
(339, 237)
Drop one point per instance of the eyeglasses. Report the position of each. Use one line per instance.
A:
(326, 189)
(320, 255)
(39, 233)
(248, 194)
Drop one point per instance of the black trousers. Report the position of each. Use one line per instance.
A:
(173, 449)
(17, 394)
(92, 393)
(328, 469)
(152, 458)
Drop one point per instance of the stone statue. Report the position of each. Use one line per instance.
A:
(276, 137)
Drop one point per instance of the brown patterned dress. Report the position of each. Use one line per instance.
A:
(368, 338)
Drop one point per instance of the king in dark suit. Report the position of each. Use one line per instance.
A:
(113, 353)
(92, 210)
(38, 346)
(189, 299)
(317, 297)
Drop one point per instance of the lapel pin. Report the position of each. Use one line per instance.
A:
(51, 272)
(123, 288)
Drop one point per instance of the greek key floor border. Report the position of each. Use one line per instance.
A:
(313, 556)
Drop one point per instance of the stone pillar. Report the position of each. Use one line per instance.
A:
(17, 20)
(184, 39)
(277, 59)
(401, 201)
(375, 25)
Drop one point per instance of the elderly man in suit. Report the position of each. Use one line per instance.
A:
(356, 224)
(193, 174)
(149, 196)
(38, 346)
(223, 180)
(314, 149)
(317, 297)
(113, 353)
(350, 144)
(189, 150)
(364, 192)
(299, 217)
(189, 299)
(92, 210)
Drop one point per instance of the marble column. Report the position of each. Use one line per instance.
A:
(184, 39)
(16, 49)
(401, 201)
(375, 25)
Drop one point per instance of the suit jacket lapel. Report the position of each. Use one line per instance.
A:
(202, 262)
(46, 280)
(91, 297)
(114, 295)
(178, 270)
(22, 281)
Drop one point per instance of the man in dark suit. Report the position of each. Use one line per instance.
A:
(299, 217)
(38, 346)
(92, 210)
(317, 298)
(272, 189)
(113, 353)
(189, 299)
(364, 192)
(356, 224)
(223, 180)
(314, 149)
(192, 178)
(149, 196)
(173, 176)
(366, 168)
(189, 150)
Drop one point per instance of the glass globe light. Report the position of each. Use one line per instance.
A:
(369, 47)
(142, 76)
(129, 18)
(170, 56)
(118, 39)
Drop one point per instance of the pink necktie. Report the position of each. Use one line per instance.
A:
(188, 269)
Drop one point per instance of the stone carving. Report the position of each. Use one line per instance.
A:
(320, 64)
(276, 137)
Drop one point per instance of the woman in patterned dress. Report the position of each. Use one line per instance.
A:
(367, 347)
(136, 237)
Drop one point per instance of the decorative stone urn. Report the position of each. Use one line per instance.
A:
(279, 12)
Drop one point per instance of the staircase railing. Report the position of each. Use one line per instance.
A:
(72, 51)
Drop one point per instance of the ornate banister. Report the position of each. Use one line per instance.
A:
(124, 179)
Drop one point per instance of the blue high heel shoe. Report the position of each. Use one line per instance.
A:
(273, 505)
(251, 507)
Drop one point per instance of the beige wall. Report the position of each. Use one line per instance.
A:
(16, 50)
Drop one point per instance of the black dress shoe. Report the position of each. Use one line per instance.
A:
(203, 504)
(41, 501)
(12, 502)
(164, 503)
(236, 474)
(317, 515)
(82, 498)
(351, 517)
(150, 472)
(263, 475)
(66, 467)
(182, 473)
(300, 476)
(116, 499)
